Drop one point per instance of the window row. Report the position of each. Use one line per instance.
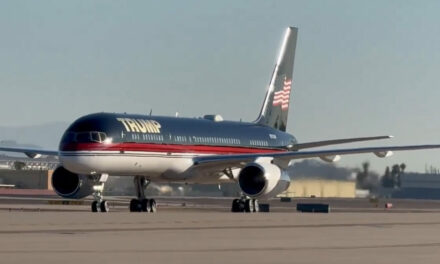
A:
(146, 137)
(217, 140)
(180, 139)
(260, 143)
(152, 137)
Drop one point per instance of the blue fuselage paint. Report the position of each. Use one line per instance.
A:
(128, 128)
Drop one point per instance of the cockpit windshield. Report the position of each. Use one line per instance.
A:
(85, 137)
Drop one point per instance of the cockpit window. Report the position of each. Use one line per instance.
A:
(85, 137)
(102, 136)
(97, 136)
(94, 136)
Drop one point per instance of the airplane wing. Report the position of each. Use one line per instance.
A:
(335, 142)
(220, 162)
(31, 153)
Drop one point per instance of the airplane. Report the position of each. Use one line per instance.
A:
(207, 150)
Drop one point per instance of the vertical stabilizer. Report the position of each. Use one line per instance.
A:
(278, 97)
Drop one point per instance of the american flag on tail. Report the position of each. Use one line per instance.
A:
(282, 97)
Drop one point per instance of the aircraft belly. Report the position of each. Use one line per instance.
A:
(162, 166)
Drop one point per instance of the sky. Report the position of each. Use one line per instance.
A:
(362, 68)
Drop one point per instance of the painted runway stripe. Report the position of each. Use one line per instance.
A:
(214, 227)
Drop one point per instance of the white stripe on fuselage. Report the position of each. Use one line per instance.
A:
(155, 165)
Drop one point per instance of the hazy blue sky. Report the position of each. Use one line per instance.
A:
(362, 67)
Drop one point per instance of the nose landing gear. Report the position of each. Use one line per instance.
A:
(99, 204)
(142, 204)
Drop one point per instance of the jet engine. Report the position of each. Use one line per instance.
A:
(71, 185)
(263, 180)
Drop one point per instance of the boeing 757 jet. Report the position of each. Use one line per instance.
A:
(255, 155)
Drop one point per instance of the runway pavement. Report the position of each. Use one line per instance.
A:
(190, 232)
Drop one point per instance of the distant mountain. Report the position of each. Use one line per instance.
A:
(15, 144)
(45, 136)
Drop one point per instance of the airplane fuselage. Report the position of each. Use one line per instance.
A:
(158, 147)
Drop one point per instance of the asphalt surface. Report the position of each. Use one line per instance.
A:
(202, 230)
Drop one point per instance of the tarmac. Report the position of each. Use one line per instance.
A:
(202, 230)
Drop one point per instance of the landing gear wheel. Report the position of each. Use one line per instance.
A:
(95, 207)
(145, 205)
(256, 205)
(104, 206)
(241, 205)
(235, 206)
(153, 205)
(142, 204)
(248, 206)
(135, 205)
(245, 205)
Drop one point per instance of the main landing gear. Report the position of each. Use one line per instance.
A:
(142, 204)
(245, 205)
(99, 204)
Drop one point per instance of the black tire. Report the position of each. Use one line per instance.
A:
(256, 205)
(248, 206)
(95, 207)
(145, 205)
(104, 207)
(153, 206)
(235, 206)
(135, 205)
(241, 205)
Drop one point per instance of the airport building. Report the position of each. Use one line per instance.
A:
(321, 188)
(26, 173)
(418, 186)
(26, 179)
(311, 178)
(23, 163)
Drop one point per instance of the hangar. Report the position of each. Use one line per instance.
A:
(321, 188)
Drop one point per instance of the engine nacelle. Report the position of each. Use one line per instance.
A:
(263, 180)
(71, 185)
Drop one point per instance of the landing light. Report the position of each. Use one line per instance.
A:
(108, 140)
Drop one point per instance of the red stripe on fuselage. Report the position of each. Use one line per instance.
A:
(148, 147)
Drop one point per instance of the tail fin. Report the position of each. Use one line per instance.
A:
(276, 104)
